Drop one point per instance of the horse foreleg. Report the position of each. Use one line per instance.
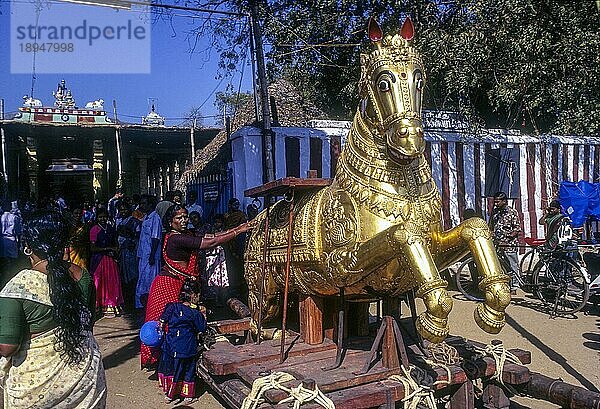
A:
(489, 315)
(408, 244)
(433, 323)
(475, 235)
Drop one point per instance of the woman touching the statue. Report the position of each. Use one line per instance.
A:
(180, 263)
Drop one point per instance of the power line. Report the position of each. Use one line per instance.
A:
(171, 118)
(289, 29)
(191, 16)
(129, 3)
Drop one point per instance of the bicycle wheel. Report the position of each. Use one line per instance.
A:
(559, 283)
(467, 280)
(527, 262)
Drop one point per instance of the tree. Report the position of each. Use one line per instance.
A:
(510, 63)
(193, 114)
(230, 102)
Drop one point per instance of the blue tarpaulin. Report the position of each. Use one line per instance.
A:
(580, 200)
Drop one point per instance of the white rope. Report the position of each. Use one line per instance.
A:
(501, 356)
(298, 395)
(414, 394)
(434, 364)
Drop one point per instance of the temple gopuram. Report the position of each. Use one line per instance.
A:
(85, 155)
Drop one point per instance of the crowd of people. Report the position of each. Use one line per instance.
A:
(158, 258)
(164, 259)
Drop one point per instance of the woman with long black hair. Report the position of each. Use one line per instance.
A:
(49, 355)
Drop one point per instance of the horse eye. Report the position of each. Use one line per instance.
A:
(420, 84)
(419, 81)
(384, 85)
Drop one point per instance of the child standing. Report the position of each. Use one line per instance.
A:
(177, 366)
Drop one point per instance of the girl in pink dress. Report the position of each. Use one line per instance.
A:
(104, 268)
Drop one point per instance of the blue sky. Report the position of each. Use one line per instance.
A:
(178, 80)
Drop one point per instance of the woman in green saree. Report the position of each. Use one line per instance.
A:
(50, 358)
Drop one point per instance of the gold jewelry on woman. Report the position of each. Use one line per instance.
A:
(37, 263)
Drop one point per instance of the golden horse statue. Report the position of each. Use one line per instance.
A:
(376, 230)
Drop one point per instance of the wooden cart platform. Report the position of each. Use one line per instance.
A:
(231, 369)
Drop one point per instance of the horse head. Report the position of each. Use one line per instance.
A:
(391, 85)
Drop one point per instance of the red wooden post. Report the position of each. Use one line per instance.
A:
(311, 319)
(389, 349)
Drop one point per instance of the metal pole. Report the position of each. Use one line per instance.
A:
(192, 141)
(255, 92)
(269, 174)
(118, 141)
(288, 261)
(263, 271)
(3, 146)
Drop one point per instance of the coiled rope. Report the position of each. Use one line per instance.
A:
(298, 395)
(443, 355)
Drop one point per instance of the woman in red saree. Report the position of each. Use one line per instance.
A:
(180, 262)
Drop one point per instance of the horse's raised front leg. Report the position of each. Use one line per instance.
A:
(408, 244)
(474, 235)
(413, 251)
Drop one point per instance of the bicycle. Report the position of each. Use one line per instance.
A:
(530, 259)
(557, 279)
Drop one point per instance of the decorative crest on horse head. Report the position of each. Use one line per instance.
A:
(376, 231)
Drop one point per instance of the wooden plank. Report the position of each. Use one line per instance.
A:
(311, 319)
(328, 381)
(235, 391)
(486, 367)
(280, 186)
(371, 395)
(494, 397)
(361, 397)
(463, 397)
(524, 356)
(231, 326)
(224, 358)
(310, 367)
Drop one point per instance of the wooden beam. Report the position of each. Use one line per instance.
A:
(231, 326)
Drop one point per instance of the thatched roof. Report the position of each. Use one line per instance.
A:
(292, 110)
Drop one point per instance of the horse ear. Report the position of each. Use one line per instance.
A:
(375, 32)
(408, 29)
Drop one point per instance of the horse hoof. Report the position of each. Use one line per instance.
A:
(432, 328)
(488, 319)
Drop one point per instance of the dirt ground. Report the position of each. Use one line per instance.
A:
(567, 348)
